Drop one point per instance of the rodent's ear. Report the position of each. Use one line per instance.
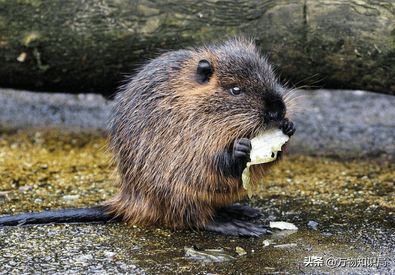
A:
(204, 71)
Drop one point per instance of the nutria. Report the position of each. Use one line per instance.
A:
(180, 133)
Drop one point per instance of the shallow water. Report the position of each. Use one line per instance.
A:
(352, 200)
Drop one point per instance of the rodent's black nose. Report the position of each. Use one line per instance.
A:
(274, 107)
(273, 116)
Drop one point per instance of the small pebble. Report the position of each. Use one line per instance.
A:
(312, 224)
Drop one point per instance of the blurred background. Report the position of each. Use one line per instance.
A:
(90, 46)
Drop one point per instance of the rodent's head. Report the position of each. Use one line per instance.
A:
(234, 81)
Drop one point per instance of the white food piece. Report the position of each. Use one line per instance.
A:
(283, 225)
(264, 148)
(267, 242)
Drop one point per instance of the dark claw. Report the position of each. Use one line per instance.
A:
(233, 161)
(239, 212)
(287, 127)
(241, 155)
(242, 148)
(238, 228)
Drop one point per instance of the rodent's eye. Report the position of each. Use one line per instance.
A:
(235, 90)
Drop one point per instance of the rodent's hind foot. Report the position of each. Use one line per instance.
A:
(239, 212)
(237, 228)
(287, 127)
(234, 221)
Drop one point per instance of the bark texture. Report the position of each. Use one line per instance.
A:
(91, 45)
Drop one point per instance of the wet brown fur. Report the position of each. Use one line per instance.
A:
(168, 132)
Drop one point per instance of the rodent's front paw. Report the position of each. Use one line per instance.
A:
(287, 127)
(242, 150)
(234, 160)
